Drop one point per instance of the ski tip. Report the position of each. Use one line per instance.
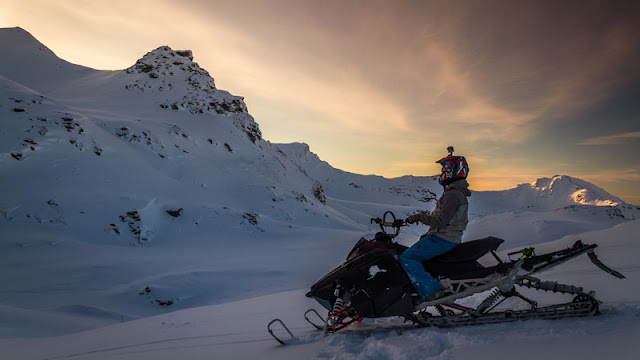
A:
(291, 338)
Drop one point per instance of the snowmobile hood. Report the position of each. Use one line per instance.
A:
(461, 185)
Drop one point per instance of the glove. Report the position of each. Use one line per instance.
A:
(411, 219)
(398, 222)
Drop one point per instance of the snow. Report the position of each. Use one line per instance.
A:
(237, 329)
(144, 217)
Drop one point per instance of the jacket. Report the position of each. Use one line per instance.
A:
(450, 217)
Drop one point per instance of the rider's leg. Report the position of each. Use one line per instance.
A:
(411, 259)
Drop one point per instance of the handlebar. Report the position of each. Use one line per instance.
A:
(396, 223)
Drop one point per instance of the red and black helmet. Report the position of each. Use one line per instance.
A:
(453, 168)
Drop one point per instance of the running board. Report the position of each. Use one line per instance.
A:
(467, 287)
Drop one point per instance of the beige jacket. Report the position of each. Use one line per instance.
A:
(449, 219)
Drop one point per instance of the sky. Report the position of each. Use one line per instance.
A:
(523, 89)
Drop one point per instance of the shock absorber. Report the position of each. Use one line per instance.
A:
(335, 315)
(337, 306)
(341, 314)
(489, 301)
(339, 302)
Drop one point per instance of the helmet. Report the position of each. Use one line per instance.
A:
(453, 168)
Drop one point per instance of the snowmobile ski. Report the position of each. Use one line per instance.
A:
(291, 339)
(313, 311)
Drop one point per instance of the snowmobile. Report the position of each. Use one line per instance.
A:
(371, 283)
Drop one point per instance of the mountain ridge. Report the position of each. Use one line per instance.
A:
(175, 142)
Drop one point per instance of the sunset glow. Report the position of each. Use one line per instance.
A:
(523, 89)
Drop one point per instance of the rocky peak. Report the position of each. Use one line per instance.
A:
(185, 84)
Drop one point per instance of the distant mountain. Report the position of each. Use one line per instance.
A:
(156, 151)
(342, 185)
(547, 194)
(544, 210)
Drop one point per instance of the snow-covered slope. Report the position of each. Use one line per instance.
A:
(237, 330)
(86, 172)
(28, 62)
(107, 154)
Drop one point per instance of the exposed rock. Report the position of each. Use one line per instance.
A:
(175, 213)
(319, 193)
(164, 70)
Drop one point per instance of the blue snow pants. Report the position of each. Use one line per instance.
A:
(426, 248)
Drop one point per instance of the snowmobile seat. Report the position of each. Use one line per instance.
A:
(463, 259)
(469, 251)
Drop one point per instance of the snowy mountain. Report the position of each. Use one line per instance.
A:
(159, 137)
(133, 193)
(544, 210)
(153, 138)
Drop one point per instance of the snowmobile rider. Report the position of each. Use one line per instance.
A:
(447, 222)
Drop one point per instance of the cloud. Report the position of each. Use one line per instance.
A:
(550, 57)
(501, 70)
(618, 174)
(383, 87)
(508, 70)
(616, 139)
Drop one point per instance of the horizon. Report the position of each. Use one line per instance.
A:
(555, 94)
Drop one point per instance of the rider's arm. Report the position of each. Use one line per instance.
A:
(444, 211)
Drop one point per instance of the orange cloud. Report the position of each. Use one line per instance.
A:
(623, 138)
(373, 87)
